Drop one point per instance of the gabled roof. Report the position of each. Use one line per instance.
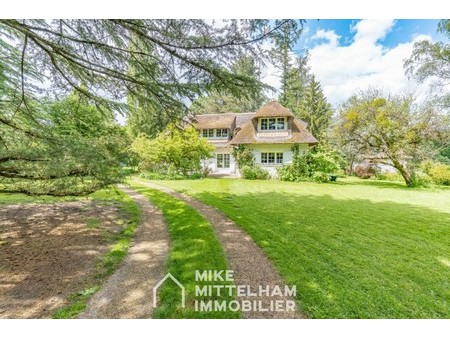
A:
(244, 126)
(273, 109)
(299, 134)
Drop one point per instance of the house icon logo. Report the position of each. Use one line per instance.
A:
(161, 282)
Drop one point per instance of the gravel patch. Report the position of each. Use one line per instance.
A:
(128, 292)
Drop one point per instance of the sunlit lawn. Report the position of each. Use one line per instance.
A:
(356, 249)
(193, 246)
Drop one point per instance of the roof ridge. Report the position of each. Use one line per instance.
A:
(224, 114)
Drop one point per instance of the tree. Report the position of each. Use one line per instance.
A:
(432, 60)
(216, 102)
(315, 110)
(297, 81)
(44, 60)
(284, 41)
(393, 127)
(76, 150)
(173, 150)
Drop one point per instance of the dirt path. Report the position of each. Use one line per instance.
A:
(128, 292)
(48, 251)
(251, 266)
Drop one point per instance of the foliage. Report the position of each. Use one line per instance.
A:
(73, 149)
(432, 60)
(313, 164)
(320, 177)
(177, 151)
(393, 177)
(315, 110)
(170, 175)
(438, 172)
(254, 172)
(284, 41)
(243, 156)
(158, 65)
(357, 249)
(194, 246)
(391, 126)
(216, 102)
(296, 82)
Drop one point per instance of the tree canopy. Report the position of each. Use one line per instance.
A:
(314, 109)
(432, 60)
(114, 67)
(216, 102)
(391, 126)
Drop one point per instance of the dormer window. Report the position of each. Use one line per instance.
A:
(208, 133)
(222, 133)
(272, 123)
(215, 133)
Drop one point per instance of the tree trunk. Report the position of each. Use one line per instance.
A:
(401, 168)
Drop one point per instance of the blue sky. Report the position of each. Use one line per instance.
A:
(402, 31)
(351, 55)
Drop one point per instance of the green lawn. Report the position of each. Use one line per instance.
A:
(193, 246)
(355, 249)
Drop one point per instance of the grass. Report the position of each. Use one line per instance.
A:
(93, 222)
(193, 247)
(355, 249)
(10, 198)
(107, 263)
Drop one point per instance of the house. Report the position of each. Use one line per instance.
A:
(270, 133)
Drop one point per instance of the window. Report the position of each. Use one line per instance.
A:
(223, 133)
(263, 157)
(280, 123)
(263, 124)
(208, 133)
(223, 160)
(273, 123)
(279, 158)
(272, 158)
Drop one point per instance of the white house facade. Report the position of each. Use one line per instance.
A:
(270, 133)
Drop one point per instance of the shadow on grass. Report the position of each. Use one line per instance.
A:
(350, 258)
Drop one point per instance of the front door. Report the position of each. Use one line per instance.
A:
(223, 161)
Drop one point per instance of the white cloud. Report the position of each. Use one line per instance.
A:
(343, 70)
(331, 36)
(365, 62)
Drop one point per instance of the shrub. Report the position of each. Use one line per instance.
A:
(179, 150)
(243, 156)
(394, 177)
(438, 172)
(153, 175)
(320, 177)
(254, 173)
(420, 179)
(321, 160)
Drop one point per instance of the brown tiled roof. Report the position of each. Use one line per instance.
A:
(273, 109)
(299, 134)
(211, 121)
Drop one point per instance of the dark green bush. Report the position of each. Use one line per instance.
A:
(320, 160)
(254, 173)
